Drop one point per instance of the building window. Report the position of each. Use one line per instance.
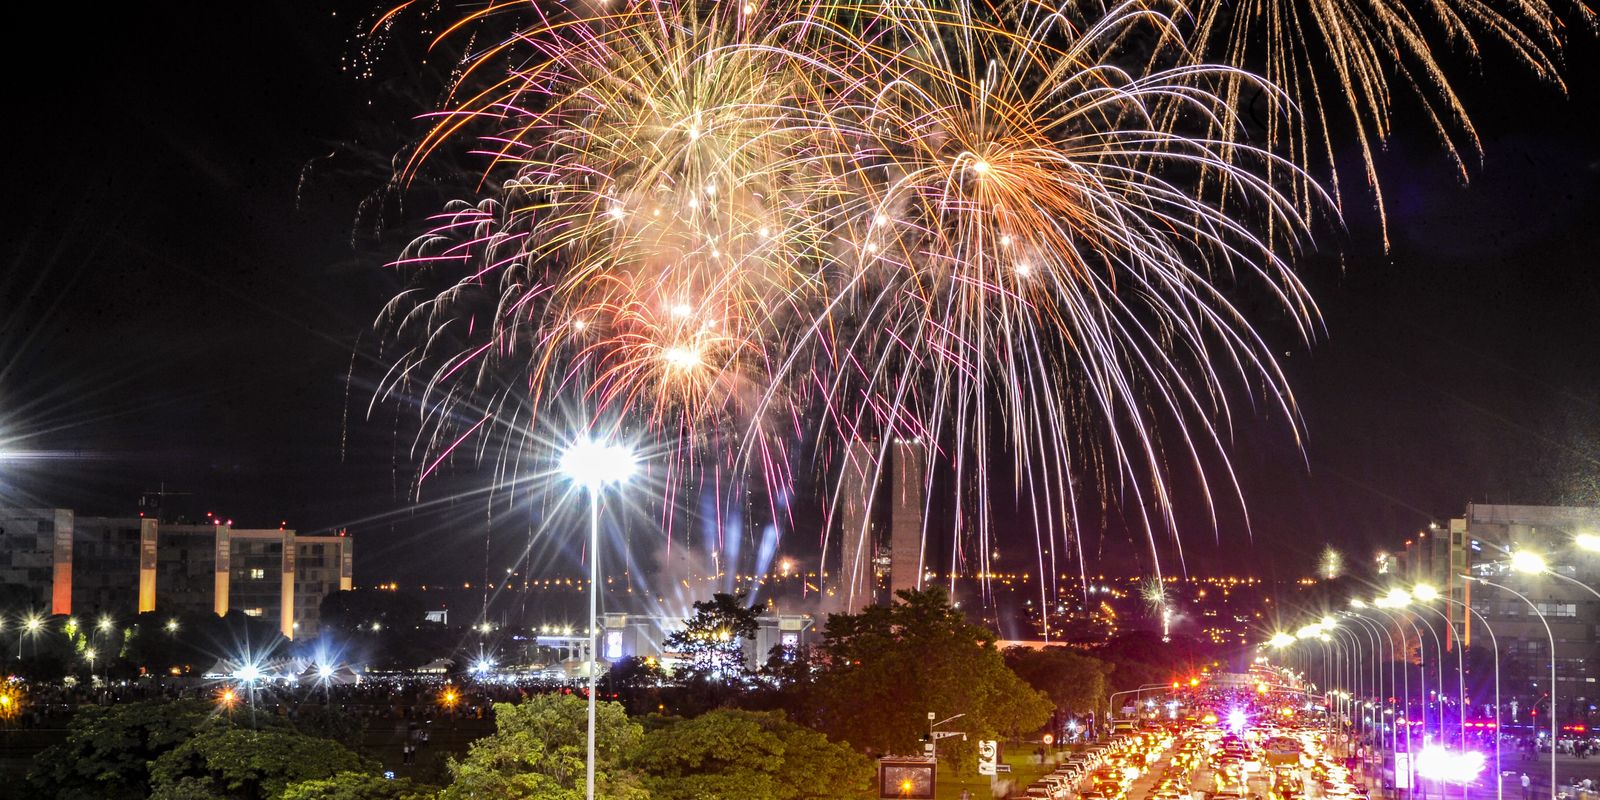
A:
(258, 574)
(254, 612)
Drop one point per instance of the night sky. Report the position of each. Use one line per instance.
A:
(190, 279)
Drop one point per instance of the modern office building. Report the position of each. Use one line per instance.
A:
(106, 565)
(72, 564)
(36, 555)
(1517, 604)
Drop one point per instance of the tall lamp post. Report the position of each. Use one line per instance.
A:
(1554, 729)
(592, 464)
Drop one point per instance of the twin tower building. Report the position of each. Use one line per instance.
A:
(882, 547)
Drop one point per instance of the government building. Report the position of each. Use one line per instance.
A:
(71, 564)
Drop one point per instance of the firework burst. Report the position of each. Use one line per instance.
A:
(1346, 64)
(753, 231)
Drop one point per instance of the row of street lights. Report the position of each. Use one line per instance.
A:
(1366, 629)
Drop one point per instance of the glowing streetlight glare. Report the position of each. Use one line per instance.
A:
(1424, 593)
(1439, 764)
(1398, 598)
(1528, 562)
(104, 624)
(324, 672)
(172, 626)
(1587, 541)
(1281, 640)
(593, 464)
(33, 624)
(247, 673)
(1308, 631)
(1356, 602)
(1329, 623)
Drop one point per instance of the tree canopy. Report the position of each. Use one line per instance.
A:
(108, 749)
(905, 660)
(538, 750)
(749, 755)
(244, 764)
(357, 786)
(713, 638)
(1074, 682)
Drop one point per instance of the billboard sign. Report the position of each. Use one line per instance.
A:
(911, 778)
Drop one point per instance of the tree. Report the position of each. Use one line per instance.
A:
(1141, 657)
(355, 609)
(635, 682)
(386, 628)
(243, 764)
(538, 749)
(1074, 682)
(911, 658)
(714, 637)
(357, 786)
(749, 755)
(108, 749)
(191, 641)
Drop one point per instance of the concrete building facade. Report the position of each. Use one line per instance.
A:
(71, 564)
(881, 523)
(1517, 605)
(1493, 533)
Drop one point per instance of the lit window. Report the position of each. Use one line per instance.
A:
(258, 574)
(254, 612)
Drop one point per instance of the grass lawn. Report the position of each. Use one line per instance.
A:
(1025, 769)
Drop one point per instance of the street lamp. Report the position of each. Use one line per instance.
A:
(1531, 563)
(31, 626)
(1494, 649)
(1528, 562)
(592, 464)
(1587, 541)
(1425, 594)
(1554, 728)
